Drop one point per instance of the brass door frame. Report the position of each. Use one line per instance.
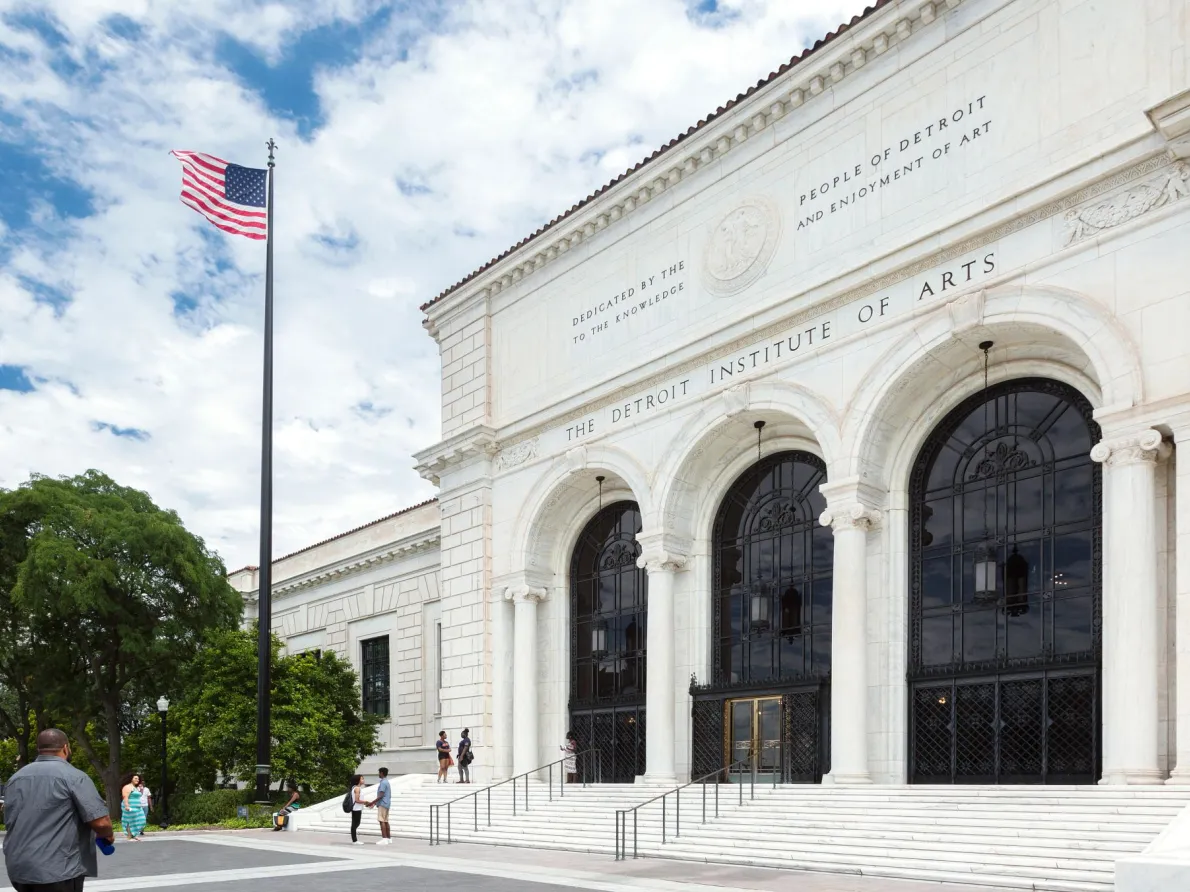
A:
(756, 744)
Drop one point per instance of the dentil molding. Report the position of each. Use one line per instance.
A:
(1146, 447)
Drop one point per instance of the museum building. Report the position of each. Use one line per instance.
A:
(837, 440)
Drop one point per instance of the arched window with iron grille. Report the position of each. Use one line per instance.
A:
(1005, 594)
(608, 618)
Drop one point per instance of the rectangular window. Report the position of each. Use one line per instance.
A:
(374, 653)
(438, 660)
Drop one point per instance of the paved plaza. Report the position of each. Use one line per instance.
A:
(262, 861)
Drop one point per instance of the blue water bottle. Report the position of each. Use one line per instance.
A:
(104, 846)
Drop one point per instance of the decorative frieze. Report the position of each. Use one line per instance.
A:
(516, 455)
(1171, 185)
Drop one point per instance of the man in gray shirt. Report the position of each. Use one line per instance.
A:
(52, 813)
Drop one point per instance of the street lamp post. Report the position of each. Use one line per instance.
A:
(162, 709)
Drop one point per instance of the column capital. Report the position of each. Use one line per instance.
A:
(1143, 447)
(525, 594)
(850, 516)
(662, 551)
(656, 561)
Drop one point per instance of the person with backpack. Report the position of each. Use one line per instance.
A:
(353, 803)
(465, 757)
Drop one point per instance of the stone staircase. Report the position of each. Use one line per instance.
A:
(1059, 839)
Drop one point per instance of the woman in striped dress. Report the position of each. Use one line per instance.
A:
(132, 812)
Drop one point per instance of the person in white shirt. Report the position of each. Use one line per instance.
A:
(357, 807)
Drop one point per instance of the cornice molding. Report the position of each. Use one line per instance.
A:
(476, 443)
(802, 84)
(387, 554)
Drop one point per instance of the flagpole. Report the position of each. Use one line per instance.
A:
(264, 649)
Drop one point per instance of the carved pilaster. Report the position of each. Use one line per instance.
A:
(1146, 446)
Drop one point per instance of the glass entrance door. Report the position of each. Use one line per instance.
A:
(755, 736)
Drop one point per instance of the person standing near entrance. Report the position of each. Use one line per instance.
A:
(444, 760)
(384, 799)
(52, 814)
(570, 763)
(464, 757)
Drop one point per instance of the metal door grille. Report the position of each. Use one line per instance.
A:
(1007, 730)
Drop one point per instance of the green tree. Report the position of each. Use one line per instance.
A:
(118, 596)
(320, 730)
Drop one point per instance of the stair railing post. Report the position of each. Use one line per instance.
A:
(634, 814)
(449, 840)
(663, 798)
(716, 801)
(475, 809)
(704, 801)
(431, 825)
(678, 813)
(489, 806)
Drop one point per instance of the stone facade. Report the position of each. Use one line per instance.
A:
(826, 256)
(379, 581)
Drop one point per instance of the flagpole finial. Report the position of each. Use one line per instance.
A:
(271, 146)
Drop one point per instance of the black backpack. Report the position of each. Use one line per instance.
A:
(349, 801)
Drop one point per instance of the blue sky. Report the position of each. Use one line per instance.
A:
(417, 140)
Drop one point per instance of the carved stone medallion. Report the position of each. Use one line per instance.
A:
(741, 246)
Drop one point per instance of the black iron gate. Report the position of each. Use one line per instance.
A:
(1010, 729)
(618, 733)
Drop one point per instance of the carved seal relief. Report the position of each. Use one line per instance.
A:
(741, 245)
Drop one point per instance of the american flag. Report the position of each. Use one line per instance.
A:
(230, 196)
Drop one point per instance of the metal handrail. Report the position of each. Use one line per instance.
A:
(676, 792)
(436, 810)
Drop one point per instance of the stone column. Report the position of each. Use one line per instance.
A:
(1130, 620)
(660, 678)
(851, 522)
(502, 683)
(526, 752)
(1181, 772)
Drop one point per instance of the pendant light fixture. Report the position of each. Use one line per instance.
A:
(760, 603)
(985, 556)
(599, 624)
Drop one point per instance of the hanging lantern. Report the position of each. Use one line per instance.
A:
(599, 638)
(985, 573)
(760, 608)
(1016, 584)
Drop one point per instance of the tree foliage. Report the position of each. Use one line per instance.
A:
(105, 598)
(320, 732)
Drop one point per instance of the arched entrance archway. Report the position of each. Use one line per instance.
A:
(608, 617)
(767, 698)
(1005, 594)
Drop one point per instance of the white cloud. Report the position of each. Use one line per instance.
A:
(507, 113)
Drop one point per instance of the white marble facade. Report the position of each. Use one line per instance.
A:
(825, 256)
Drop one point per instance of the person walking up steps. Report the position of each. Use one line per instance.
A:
(53, 813)
(384, 799)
